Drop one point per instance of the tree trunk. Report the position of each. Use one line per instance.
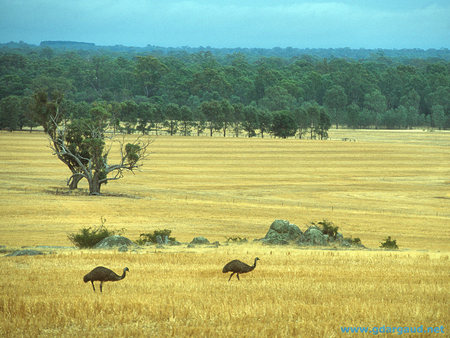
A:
(94, 184)
(73, 181)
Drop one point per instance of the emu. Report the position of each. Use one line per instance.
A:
(102, 274)
(237, 267)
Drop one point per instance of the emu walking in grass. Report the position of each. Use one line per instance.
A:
(237, 267)
(102, 274)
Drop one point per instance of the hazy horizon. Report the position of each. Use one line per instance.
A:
(355, 24)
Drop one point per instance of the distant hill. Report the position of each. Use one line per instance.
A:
(68, 45)
(288, 52)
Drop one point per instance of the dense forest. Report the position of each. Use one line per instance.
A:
(191, 91)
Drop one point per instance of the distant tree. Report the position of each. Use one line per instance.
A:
(211, 111)
(238, 118)
(302, 120)
(158, 117)
(145, 116)
(149, 71)
(265, 119)
(10, 112)
(172, 117)
(353, 111)
(283, 124)
(313, 114)
(200, 121)
(374, 104)
(251, 121)
(186, 118)
(438, 116)
(277, 98)
(225, 115)
(324, 124)
(335, 100)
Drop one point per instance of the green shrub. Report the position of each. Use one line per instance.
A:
(88, 237)
(328, 228)
(356, 241)
(148, 237)
(389, 243)
(237, 239)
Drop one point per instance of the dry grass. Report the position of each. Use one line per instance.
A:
(290, 293)
(221, 187)
(387, 183)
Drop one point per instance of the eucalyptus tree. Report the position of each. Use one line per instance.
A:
(149, 72)
(335, 100)
(250, 123)
(81, 143)
(283, 124)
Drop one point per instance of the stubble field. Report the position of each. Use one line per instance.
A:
(385, 184)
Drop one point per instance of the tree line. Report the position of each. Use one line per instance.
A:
(239, 93)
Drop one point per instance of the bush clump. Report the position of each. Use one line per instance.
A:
(328, 228)
(237, 239)
(89, 237)
(389, 243)
(151, 237)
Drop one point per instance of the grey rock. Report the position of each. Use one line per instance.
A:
(113, 241)
(123, 248)
(216, 244)
(200, 240)
(26, 252)
(282, 232)
(172, 243)
(313, 236)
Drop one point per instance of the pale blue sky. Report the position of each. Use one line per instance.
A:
(234, 23)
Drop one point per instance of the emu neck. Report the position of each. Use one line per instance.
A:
(123, 275)
(254, 264)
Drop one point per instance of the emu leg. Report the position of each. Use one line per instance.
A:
(231, 276)
(101, 284)
(237, 275)
(93, 285)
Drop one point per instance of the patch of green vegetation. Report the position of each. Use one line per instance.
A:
(237, 239)
(389, 243)
(151, 237)
(328, 228)
(90, 236)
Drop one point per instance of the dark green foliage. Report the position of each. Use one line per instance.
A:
(328, 228)
(90, 236)
(389, 243)
(132, 152)
(144, 86)
(356, 241)
(151, 237)
(283, 124)
(237, 239)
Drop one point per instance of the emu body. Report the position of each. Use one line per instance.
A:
(237, 267)
(102, 274)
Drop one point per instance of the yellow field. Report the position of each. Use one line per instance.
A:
(386, 183)
(234, 186)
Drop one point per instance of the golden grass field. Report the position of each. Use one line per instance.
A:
(394, 183)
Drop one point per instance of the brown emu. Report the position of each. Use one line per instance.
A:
(102, 274)
(237, 267)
